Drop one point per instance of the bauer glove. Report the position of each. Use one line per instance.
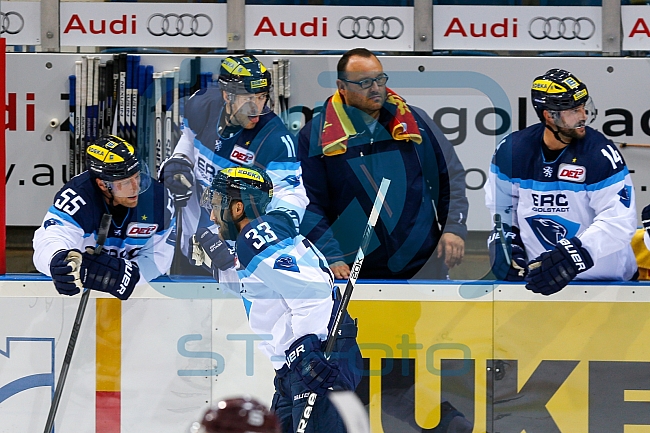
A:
(220, 256)
(109, 274)
(64, 268)
(514, 267)
(553, 270)
(306, 359)
(177, 174)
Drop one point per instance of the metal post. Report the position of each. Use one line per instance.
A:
(423, 26)
(236, 25)
(50, 40)
(611, 22)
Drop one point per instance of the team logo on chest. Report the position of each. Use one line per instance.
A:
(548, 171)
(141, 230)
(572, 173)
(242, 156)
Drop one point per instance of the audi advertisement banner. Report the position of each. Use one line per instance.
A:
(20, 22)
(143, 24)
(517, 28)
(329, 28)
(635, 21)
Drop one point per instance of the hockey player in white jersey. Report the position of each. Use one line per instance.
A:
(564, 194)
(288, 292)
(229, 126)
(136, 246)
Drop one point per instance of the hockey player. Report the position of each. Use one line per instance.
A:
(116, 183)
(288, 291)
(237, 415)
(564, 194)
(229, 126)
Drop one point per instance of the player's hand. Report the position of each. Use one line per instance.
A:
(62, 268)
(553, 270)
(306, 359)
(645, 218)
(517, 268)
(218, 251)
(452, 248)
(109, 274)
(177, 174)
(340, 270)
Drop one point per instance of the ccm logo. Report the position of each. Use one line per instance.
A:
(137, 230)
(575, 173)
(242, 156)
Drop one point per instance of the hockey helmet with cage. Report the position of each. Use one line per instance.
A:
(238, 415)
(250, 185)
(559, 90)
(112, 159)
(244, 74)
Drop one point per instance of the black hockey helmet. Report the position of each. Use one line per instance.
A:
(239, 415)
(112, 159)
(244, 74)
(250, 185)
(558, 90)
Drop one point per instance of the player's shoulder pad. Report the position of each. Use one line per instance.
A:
(272, 141)
(79, 200)
(264, 235)
(600, 156)
(203, 106)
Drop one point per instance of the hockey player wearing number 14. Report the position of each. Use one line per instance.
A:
(564, 194)
(288, 291)
(136, 245)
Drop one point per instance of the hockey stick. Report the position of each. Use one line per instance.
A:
(178, 250)
(102, 233)
(499, 226)
(158, 128)
(72, 104)
(633, 144)
(345, 300)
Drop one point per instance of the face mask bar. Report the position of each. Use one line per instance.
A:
(211, 199)
(131, 186)
(575, 118)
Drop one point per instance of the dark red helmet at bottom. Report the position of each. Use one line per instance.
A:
(239, 415)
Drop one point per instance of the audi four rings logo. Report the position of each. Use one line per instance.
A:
(566, 28)
(11, 22)
(184, 24)
(370, 27)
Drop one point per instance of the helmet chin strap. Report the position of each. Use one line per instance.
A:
(231, 230)
(556, 134)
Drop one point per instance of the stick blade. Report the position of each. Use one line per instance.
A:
(351, 410)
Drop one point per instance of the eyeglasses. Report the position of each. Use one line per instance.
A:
(381, 80)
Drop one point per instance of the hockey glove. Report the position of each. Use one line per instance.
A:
(553, 270)
(109, 274)
(645, 218)
(306, 358)
(62, 268)
(514, 269)
(177, 174)
(216, 249)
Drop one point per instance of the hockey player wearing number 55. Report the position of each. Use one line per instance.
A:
(287, 288)
(564, 194)
(136, 246)
(232, 125)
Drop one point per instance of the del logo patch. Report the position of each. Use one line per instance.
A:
(572, 173)
(242, 156)
(141, 230)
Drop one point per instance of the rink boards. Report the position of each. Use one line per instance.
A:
(510, 360)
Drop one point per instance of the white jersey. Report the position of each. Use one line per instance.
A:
(286, 285)
(140, 234)
(269, 146)
(586, 192)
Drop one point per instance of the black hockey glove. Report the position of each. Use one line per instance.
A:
(177, 174)
(645, 218)
(514, 269)
(109, 274)
(62, 267)
(306, 358)
(218, 251)
(553, 270)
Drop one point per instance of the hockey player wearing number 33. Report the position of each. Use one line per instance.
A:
(564, 193)
(287, 288)
(136, 246)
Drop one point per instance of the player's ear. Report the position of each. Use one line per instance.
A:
(101, 184)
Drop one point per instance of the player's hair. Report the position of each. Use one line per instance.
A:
(345, 59)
